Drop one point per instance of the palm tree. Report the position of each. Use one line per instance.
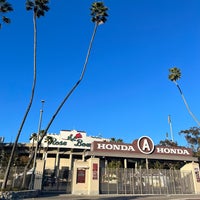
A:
(174, 75)
(99, 13)
(48, 140)
(39, 7)
(33, 137)
(99, 16)
(5, 7)
(116, 140)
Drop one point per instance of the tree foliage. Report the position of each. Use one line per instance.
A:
(174, 75)
(192, 136)
(173, 164)
(38, 6)
(116, 140)
(114, 164)
(5, 7)
(99, 12)
(168, 143)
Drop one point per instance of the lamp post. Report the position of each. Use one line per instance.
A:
(36, 148)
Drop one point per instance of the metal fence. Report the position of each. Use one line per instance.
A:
(60, 181)
(15, 177)
(142, 181)
(112, 181)
(49, 181)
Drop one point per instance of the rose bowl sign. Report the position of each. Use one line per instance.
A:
(143, 145)
(70, 139)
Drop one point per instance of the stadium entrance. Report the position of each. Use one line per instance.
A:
(132, 178)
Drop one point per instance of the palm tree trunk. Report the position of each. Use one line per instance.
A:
(77, 83)
(27, 110)
(186, 104)
(72, 89)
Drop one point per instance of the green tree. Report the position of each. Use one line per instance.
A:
(5, 7)
(114, 164)
(23, 160)
(39, 7)
(168, 143)
(116, 140)
(112, 169)
(4, 157)
(99, 16)
(176, 165)
(192, 137)
(33, 138)
(174, 75)
(157, 165)
(48, 140)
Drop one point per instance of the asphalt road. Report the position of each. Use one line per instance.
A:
(117, 197)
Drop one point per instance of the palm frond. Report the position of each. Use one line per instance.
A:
(6, 20)
(174, 74)
(38, 6)
(29, 5)
(99, 12)
(5, 7)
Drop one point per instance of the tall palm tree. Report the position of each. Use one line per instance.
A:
(33, 137)
(99, 13)
(99, 16)
(174, 75)
(39, 7)
(5, 7)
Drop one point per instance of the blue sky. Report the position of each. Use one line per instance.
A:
(125, 92)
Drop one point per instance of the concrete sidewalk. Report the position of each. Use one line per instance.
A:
(116, 197)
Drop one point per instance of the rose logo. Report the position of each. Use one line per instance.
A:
(78, 135)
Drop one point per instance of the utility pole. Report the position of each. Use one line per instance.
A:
(170, 125)
(36, 148)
